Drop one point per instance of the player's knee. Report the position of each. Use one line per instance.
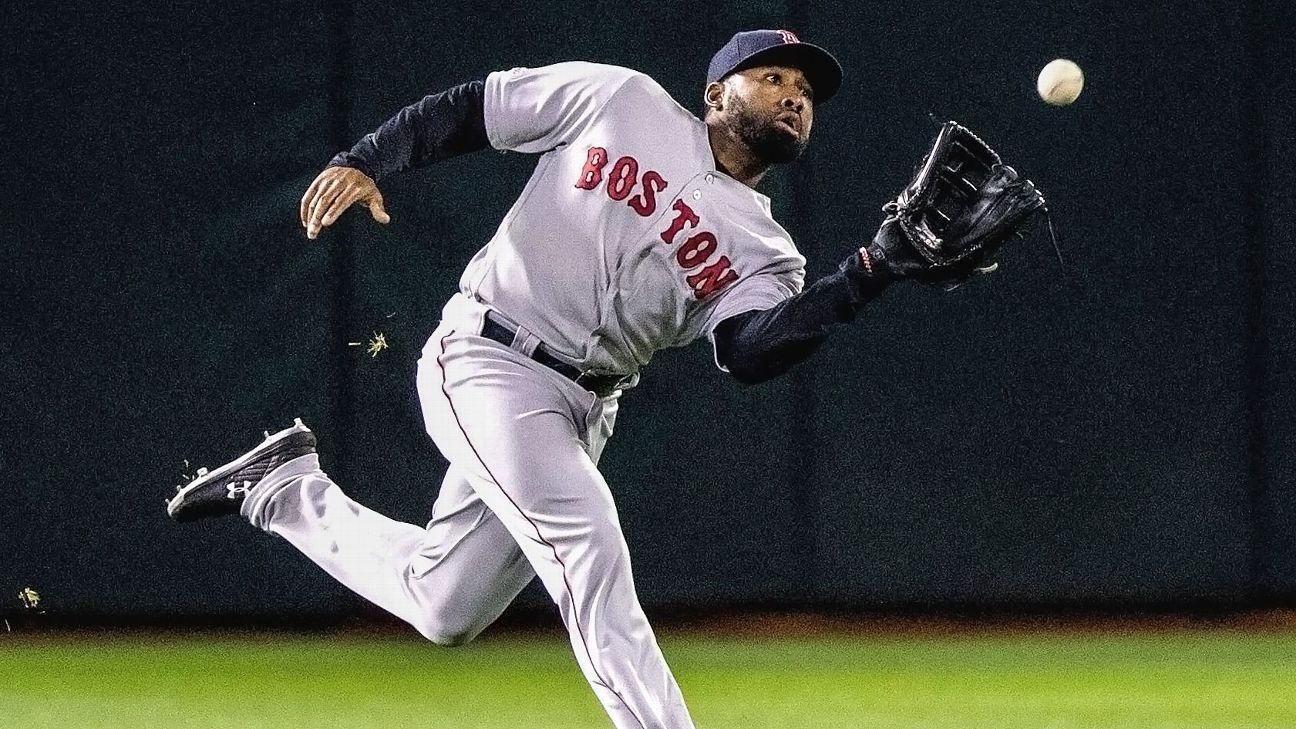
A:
(448, 638)
(607, 549)
(444, 627)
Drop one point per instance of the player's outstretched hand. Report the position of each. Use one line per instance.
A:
(335, 190)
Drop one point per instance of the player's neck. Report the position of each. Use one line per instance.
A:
(734, 158)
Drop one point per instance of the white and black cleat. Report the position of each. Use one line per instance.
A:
(220, 492)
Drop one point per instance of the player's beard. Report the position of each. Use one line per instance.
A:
(769, 142)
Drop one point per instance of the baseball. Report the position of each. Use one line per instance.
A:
(1060, 82)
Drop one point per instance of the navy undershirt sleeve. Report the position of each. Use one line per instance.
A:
(758, 345)
(438, 127)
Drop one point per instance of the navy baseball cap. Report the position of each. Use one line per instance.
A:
(778, 48)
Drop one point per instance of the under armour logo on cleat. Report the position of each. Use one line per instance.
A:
(237, 492)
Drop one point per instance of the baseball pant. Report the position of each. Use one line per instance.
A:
(522, 497)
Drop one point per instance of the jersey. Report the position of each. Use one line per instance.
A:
(626, 239)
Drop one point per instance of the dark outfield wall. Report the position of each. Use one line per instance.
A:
(1113, 430)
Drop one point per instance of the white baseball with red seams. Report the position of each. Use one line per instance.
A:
(625, 241)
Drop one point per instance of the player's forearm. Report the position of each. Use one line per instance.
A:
(759, 345)
(438, 127)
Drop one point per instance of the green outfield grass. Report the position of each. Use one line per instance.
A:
(1187, 680)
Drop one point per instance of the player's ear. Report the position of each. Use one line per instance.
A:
(713, 96)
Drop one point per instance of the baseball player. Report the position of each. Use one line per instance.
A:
(640, 229)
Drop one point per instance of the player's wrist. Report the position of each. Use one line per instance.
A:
(868, 272)
(349, 160)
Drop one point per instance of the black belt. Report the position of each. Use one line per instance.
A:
(600, 385)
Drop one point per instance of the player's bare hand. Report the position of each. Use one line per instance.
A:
(335, 190)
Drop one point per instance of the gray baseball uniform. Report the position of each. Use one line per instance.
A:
(626, 240)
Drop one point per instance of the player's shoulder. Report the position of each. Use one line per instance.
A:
(590, 74)
(598, 71)
(600, 88)
(634, 88)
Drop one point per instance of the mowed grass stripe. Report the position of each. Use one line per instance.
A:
(1197, 680)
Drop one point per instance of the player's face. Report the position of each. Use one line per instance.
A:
(771, 109)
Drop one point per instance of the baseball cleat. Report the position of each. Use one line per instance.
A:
(220, 492)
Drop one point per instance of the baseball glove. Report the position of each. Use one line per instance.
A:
(962, 206)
